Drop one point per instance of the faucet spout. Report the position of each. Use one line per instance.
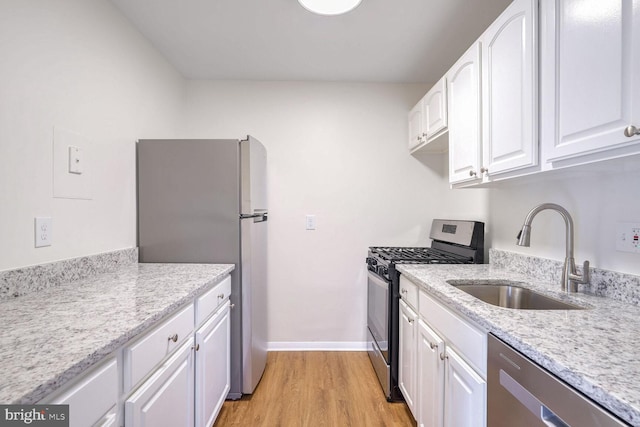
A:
(570, 277)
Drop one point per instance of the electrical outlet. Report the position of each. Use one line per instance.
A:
(310, 221)
(43, 231)
(628, 237)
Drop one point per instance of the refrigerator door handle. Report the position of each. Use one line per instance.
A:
(257, 217)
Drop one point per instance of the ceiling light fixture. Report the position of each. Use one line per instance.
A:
(329, 7)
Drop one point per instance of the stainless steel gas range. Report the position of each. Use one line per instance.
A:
(453, 242)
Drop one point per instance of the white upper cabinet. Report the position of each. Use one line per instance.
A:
(428, 121)
(590, 79)
(416, 132)
(492, 99)
(435, 113)
(509, 90)
(464, 116)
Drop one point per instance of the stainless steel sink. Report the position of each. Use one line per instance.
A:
(510, 295)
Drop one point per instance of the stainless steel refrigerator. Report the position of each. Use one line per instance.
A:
(204, 201)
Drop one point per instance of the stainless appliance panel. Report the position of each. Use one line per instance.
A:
(253, 231)
(522, 393)
(253, 156)
(454, 231)
(379, 364)
(378, 295)
(189, 199)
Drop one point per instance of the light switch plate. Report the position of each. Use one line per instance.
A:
(75, 160)
(310, 221)
(43, 231)
(68, 184)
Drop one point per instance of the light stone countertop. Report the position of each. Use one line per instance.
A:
(51, 336)
(596, 350)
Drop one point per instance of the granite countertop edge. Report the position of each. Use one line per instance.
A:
(205, 277)
(433, 280)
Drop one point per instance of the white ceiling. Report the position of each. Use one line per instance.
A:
(400, 41)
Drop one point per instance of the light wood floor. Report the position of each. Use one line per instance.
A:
(309, 389)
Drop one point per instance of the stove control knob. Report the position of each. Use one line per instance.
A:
(371, 261)
(382, 270)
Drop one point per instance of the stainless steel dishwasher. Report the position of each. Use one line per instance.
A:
(520, 393)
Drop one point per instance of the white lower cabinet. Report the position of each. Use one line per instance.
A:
(465, 399)
(166, 398)
(168, 376)
(109, 420)
(430, 377)
(213, 379)
(190, 386)
(407, 378)
(147, 352)
(92, 400)
(442, 371)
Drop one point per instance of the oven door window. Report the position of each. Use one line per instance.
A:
(378, 312)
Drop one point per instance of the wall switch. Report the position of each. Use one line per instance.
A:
(310, 221)
(628, 237)
(43, 231)
(75, 160)
(72, 170)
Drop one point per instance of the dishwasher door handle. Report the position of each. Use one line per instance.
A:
(531, 402)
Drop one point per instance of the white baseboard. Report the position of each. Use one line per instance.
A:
(317, 346)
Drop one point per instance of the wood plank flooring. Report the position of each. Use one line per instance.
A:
(316, 389)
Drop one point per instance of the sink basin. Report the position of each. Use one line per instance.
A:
(510, 295)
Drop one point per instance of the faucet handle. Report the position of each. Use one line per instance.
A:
(583, 278)
(586, 275)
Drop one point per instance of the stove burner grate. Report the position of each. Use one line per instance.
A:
(402, 255)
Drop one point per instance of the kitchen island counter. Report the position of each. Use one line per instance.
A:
(594, 350)
(53, 335)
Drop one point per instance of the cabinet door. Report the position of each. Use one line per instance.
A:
(509, 89)
(92, 397)
(465, 399)
(435, 109)
(591, 76)
(416, 130)
(212, 367)
(430, 377)
(463, 97)
(166, 398)
(407, 356)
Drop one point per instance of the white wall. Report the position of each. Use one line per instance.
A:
(78, 65)
(337, 151)
(597, 196)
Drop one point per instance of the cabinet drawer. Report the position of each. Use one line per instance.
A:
(141, 357)
(409, 292)
(91, 398)
(208, 302)
(470, 342)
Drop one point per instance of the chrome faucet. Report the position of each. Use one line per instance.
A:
(570, 277)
